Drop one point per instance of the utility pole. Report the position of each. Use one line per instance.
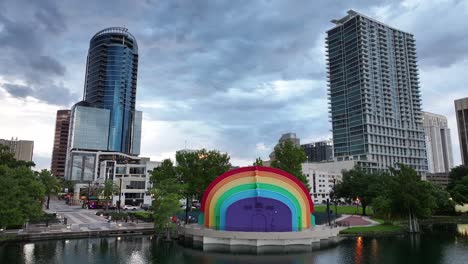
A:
(328, 211)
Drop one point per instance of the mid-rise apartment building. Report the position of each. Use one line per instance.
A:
(323, 176)
(22, 149)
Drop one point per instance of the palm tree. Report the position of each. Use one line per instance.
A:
(51, 184)
(108, 190)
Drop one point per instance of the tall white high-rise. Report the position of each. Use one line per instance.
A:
(438, 143)
(374, 95)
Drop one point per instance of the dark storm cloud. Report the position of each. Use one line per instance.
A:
(438, 27)
(205, 61)
(25, 35)
(52, 93)
(218, 45)
(16, 90)
(47, 64)
(50, 17)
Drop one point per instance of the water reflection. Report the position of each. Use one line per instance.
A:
(438, 247)
(374, 248)
(462, 229)
(358, 251)
(28, 252)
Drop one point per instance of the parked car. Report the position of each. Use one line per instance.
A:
(130, 207)
(145, 207)
(196, 204)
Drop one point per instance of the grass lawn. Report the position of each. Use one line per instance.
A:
(343, 209)
(371, 229)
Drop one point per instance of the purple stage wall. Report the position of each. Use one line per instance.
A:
(259, 214)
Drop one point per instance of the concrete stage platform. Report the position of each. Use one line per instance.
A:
(320, 236)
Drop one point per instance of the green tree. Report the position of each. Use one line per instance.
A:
(258, 162)
(20, 195)
(404, 194)
(108, 190)
(456, 174)
(444, 203)
(458, 185)
(361, 184)
(166, 174)
(167, 191)
(459, 191)
(51, 184)
(289, 157)
(70, 185)
(198, 169)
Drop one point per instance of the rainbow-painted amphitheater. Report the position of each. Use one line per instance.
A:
(257, 199)
(258, 207)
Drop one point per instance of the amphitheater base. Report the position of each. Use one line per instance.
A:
(207, 239)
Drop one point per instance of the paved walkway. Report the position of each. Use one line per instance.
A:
(74, 214)
(354, 220)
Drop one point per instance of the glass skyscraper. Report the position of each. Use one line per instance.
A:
(374, 95)
(89, 127)
(111, 79)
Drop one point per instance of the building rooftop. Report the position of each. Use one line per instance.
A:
(353, 13)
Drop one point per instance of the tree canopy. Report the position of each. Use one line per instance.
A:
(108, 189)
(458, 185)
(167, 191)
(359, 184)
(198, 169)
(289, 157)
(258, 162)
(52, 184)
(20, 192)
(405, 194)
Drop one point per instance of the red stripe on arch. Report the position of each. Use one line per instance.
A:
(259, 168)
(294, 179)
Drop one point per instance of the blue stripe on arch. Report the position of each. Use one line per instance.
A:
(258, 193)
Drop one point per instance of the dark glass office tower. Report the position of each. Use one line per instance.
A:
(111, 80)
(318, 151)
(375, 100)
(461, 109)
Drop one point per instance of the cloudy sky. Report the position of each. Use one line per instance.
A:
(229, 75)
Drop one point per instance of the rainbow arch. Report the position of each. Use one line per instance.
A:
(288, 204)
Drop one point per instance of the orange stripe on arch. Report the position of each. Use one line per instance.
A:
(215, 188)
(295, 186)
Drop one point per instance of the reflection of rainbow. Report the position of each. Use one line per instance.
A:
(257, 199)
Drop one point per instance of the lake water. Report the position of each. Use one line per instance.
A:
(444, 244)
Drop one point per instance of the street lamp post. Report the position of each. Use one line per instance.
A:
(335, 198)
(357, 204)
(120, 193)
(89, 193)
